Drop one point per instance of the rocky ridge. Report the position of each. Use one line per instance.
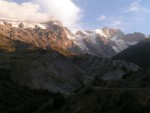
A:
(104, 42)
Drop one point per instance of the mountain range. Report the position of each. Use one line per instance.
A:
(138, 54)
(105, 42)
(47, 66)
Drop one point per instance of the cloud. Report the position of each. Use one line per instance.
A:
(118, 24)
(131, 17)
(133, 7)
(26, 11)
(64, 10)
(136, 7)
(101, 18)
(42, 10)
(135, 15)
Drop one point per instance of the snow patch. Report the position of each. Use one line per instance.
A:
(41, 26)
(84, 32)
(115, 49)
(71, 37)
(90, 36)
(131, 43)
(120, 44)
(147, 36)
(81, 44)
(99, 31)
(26, 24)
(2, 23)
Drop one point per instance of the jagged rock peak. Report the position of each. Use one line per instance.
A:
(112, 32)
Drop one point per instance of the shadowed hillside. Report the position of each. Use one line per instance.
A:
(138, 54)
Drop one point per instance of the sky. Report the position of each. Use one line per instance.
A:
(128, 15)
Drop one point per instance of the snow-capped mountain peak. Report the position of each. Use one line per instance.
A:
(98, 41)
(104, 42)
(99, 31)
(30, 24)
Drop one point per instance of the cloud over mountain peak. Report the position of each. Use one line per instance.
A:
(41, 11)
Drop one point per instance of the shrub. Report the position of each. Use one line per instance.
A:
(58, 100)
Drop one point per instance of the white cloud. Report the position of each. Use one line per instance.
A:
(42, 10)
(136, 7)
(118, 24)
(65, 10)
(134, 15)
(21, 12)
(133, 7)
(102, 17)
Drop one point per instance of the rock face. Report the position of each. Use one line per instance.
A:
(113, 32)
(135, 37)
(106, 42)
(95, 43)
(54, 35)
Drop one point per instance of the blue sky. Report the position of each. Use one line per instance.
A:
(127, 15)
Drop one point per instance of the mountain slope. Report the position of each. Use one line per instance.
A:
(138, 54)
(104, 68)
(106, 42)
(139, 79)
(47, 69)
(54, 35)
(41, 69)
